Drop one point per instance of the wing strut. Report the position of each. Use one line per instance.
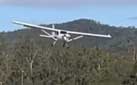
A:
(75, 38)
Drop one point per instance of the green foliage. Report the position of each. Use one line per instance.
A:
(62, 66)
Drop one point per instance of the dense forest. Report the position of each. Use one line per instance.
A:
(27, 59)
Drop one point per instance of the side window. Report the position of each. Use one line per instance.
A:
(63, 32)
(56, 33)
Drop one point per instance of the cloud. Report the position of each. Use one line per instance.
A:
(66, 3)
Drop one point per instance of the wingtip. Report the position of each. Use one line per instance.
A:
(109, 36)
(15, 22)
(18, 22)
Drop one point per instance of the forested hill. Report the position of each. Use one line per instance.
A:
(122, 37)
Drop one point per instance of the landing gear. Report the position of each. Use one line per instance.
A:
(53, 44)
(65, 45)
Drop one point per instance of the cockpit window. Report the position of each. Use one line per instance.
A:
(63, 32)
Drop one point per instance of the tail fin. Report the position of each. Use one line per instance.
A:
(53, 26)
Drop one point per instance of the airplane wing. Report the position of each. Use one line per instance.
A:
(89, 34)
(34, 26)
(51, 29)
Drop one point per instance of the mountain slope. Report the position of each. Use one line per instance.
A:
(122, 37)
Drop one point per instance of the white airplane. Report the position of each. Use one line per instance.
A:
(59, 34)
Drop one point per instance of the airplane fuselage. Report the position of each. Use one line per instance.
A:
(61, 35)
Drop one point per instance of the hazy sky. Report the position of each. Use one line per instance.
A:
(112, 12)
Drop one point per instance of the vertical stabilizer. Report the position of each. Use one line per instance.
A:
(53, 26)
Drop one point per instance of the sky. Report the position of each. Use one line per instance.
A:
(111, 12)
